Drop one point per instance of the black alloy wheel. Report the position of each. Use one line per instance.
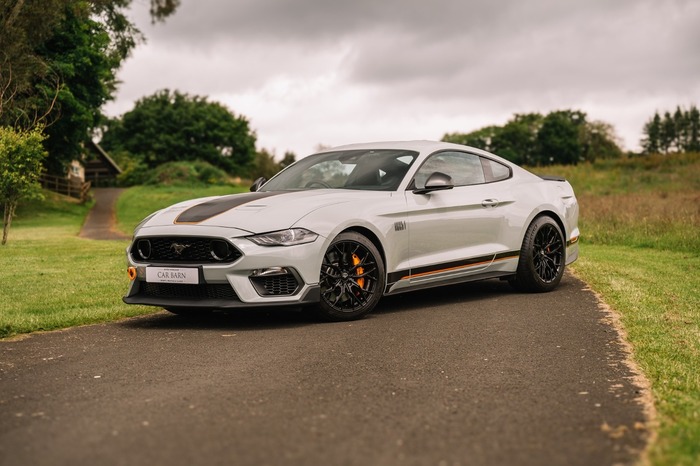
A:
(352, 278)
(542, 256)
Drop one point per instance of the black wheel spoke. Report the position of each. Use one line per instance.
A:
(542, 257)
(349, 274)
(547, 253)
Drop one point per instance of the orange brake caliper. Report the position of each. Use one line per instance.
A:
(360, 270)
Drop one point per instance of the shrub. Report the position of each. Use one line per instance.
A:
(186, 173)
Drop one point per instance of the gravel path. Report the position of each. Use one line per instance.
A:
(100, 222)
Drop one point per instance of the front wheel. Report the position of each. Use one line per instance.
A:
(541, 263)
(352, 278)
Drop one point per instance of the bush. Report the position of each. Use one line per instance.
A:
(186, 173)
(134, 172)
(21, 155)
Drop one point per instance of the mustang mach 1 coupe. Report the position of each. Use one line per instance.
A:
(340, 229)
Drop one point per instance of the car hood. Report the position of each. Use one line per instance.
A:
(258, 212)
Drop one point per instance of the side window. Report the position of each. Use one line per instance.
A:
(494, 171)
(465, 169)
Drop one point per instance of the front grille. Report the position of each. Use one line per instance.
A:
(275, 285)
(172, 249)
(202, 291)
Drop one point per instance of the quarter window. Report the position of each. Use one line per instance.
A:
(494, 171)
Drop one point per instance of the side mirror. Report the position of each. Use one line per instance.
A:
(436, 182)
(258, 183)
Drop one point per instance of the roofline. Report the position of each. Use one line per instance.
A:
(104, 154)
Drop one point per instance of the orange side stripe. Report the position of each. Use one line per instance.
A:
(432, 272)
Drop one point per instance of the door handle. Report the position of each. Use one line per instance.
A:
(489, 203)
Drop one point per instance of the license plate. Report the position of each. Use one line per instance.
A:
(172, 275)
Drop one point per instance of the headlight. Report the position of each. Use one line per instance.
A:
(289, 237)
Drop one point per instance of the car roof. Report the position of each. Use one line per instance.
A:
(421, 146)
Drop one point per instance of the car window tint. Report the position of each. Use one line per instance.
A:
(494, 171)
(464, 169)
(332, 173)
(372, 170)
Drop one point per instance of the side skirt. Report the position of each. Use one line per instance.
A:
(449, 281)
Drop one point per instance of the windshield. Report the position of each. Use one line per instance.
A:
(371, 170)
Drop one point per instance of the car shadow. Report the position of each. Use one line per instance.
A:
(459, 293)
(240, 320)
(276, 318)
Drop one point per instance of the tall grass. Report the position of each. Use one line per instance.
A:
(659, 220)
(652, 174)
(650, 202)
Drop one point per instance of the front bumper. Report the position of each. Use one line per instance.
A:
(230, 285)
(309, 297)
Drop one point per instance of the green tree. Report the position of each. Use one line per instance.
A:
(264, 165)
(558, 140)
(288, 159)
(651, 142)
(680, 126)
(693, 129)
(21, 154)
(79, 53)
(667, 134)
(562, 136)
(599, 141)
(172, 126)
(517, 140)
(481, 138)
(672, 133)
(58, 60)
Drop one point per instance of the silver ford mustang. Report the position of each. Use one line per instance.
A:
(340, 229)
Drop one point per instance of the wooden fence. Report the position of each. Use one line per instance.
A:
(73, 188)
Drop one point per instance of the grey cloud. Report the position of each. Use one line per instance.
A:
(473, 44)
(450, 56)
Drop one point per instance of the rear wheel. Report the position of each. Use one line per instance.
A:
(352, 278)
(542, 255)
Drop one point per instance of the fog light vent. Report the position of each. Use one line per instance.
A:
(275, 281)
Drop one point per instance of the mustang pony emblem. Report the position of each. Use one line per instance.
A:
(178, 248)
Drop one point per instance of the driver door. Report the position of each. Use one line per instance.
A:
(457, 232)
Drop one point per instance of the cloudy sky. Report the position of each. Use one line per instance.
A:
(310, 72)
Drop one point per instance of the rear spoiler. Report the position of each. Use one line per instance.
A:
(552, 178)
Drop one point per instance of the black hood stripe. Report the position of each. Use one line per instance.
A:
(214, 207)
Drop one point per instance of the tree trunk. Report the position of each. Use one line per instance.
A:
(13, 16)
(7, 219)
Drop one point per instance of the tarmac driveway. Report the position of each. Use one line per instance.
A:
(474, 374)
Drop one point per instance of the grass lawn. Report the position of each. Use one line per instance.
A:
(52, 279)
(657, 294)
(640, 250)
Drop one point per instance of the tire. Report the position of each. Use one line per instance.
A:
(542, 257)
(352, 278)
